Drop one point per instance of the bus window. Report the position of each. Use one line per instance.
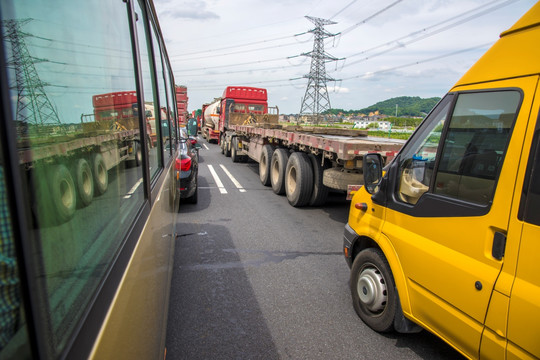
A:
(84, 178)
(168, 122)
(151, 101)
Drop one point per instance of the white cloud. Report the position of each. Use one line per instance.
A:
(216, 43)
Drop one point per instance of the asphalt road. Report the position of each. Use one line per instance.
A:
(255, 278)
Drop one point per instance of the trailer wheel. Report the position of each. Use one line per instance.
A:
(278, 166)
(222, 143)
(234, 150)
(85, 182)
(298, 179)
(63, 194)
(264, 164)
(226, 147)
(320, 191)
(101, 176)
(338, 179)
(373, 290)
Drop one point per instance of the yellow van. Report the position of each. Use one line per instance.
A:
(448, 239)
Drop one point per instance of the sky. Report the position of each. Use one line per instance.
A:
(385, 48)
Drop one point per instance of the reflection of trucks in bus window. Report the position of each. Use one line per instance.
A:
(150, 115)
(72, 164)
(448, 238)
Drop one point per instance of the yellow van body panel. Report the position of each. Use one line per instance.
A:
(515, 54)
(368, 224)
(524, 312)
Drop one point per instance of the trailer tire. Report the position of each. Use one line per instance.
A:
(278, 167)
(264, 164)
(320, 191)
(338, 179)
(298, 179)
(101, 175)
(234, 150)
(226, 147)
(84, 181)
(222, 143)
(63, 193)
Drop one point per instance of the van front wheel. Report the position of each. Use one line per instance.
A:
(373, 290)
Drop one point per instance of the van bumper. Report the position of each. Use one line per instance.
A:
(349, 238)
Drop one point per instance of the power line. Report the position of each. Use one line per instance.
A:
(350, 28)
(419, 62)
(238, 46)
(246, 51)
(399, 44)
(342, 10)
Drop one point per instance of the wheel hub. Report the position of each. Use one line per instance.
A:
(371, 289)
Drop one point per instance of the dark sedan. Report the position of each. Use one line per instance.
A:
(187, 167)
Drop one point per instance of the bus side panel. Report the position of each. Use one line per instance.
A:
(136, 323)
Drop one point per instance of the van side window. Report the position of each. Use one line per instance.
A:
(469, 156)
(475, 145)
(530, 202)
(418, 157)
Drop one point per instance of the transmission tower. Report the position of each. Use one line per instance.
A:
(33, 104)
(316, 100)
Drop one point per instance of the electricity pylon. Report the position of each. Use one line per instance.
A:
(33, 105)
(316, 99)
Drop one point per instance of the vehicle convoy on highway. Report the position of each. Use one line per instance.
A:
(447, 239)
(303, 163)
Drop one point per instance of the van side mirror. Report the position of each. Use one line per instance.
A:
(372, 168)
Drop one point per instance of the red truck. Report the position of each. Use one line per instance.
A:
(182, 104)
(303, 163)
(235, 100)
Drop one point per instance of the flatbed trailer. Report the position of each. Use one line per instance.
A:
(304, 162)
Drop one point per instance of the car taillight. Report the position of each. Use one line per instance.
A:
(186, 164)
(177, 165)
(193, 142)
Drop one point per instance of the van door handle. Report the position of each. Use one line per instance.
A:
(499, 245)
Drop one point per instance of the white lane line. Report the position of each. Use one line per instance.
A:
(235, 182)
(133, 189)
(206, 147)
(217, 180)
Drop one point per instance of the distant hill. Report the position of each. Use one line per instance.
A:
(407, 106)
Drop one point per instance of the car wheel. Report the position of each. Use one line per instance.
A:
(373, 290)
(195, 197)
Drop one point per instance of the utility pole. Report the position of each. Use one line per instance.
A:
(316, 99)
(33, 105)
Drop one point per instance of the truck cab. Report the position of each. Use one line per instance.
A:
(446, 237)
